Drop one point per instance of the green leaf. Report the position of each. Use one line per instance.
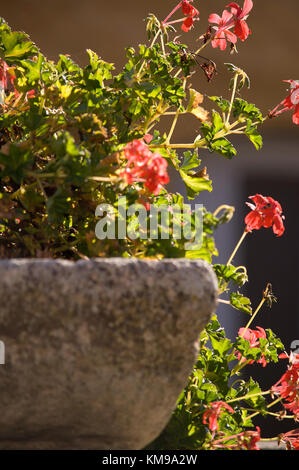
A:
(248, 110)
(222, 346)
(255, 137)
(195, 185)
(32, 69)
(190, 160)
(230, 273)
(223, 147)
(16, 45)
(15, 163)
(254, 389)
(206, 252)
(58, 206)
(221, 102)
(240, 303)
(217, 122)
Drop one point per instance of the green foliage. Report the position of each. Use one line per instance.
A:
(63, 134)
(217, 144)
(214, 380)
(240, 302)
(229, 273)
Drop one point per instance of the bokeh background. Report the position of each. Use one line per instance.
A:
(269, 56)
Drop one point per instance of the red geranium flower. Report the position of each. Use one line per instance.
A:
(293, 406)
(190, 12)
(253, 337)
(7, 79)
(222, 30)
(265, 213)
(252, 437)
(290, 102)
(213, 413)
(241, 28)
(30, 94)
(291, 439)
(145, 167)
(288, 386)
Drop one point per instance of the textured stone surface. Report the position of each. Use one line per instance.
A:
(97, 351)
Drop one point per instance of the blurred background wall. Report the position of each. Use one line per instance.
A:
(269, 56)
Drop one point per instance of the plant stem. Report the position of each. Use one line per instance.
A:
(269, 406)
(248, 396)
(176, 21)
(232, 98)
(253, 316)
(172, 13)
(177, 146)
(224, 301)
(41, 188)
(237, 247)
(138, 76)
(175, 119)
(163, 45)
(203, 46)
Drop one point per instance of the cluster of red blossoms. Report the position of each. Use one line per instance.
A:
(253, 337)
(246, 439)
(265, 213)
(291, 102)
(235, 18)
(291, 439)
(191, 13)
(144, 166)
(288, 385)
(212, 414)
(188, 10)
(7, 79)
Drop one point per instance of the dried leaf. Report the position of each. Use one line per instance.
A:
(201, 114)
(196, 98)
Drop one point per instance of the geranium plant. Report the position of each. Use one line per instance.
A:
(74, 137)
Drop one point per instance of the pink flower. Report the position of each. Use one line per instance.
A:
(212, 414)
(146, 167)
(253, 337)
(241, 28)
(265, 213)
(222, 30)
(290, 102)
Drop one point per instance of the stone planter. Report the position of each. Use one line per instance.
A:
(97, 352)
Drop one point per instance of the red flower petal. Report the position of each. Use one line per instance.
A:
(253, 220)
(242, 30)
(278, 227)
(187, 24)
